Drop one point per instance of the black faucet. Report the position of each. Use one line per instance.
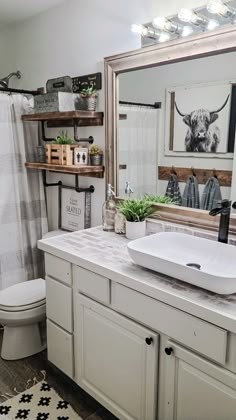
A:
(224, 210)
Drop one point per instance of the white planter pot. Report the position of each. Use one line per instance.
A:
(135, 230)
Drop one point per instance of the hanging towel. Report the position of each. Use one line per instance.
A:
(173, 191)
(211, 194)
(191, 193)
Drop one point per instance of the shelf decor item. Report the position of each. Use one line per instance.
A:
(54, 102)
(80, 156)
(135, 212)
(40, 154)
(96, 155)
(60, 151)
(88, 99)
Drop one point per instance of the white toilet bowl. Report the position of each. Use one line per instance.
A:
(22, 309)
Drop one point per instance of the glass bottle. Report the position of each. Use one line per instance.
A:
(120, 221)
(109, 211)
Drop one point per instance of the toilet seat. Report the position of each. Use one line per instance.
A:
(23, 296)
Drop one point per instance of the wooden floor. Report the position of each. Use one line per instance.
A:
(16, 373)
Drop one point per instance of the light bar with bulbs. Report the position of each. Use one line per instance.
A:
(186, 22)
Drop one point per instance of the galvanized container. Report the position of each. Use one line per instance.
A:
(96, 160)
(54, 102)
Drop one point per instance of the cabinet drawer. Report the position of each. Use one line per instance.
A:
(92, 284)
(199, 335)
(60, 348)
(58, 269)
(59, 303)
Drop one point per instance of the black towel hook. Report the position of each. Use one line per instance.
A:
(214, 173)
(173, 171)
(193, 171)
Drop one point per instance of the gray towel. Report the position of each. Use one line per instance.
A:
(173, 191)
(211, 194)
(191, 193)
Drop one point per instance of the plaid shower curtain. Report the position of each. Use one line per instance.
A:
(23, 218)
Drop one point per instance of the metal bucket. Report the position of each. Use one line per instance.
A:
(96, 160)
(87, 103)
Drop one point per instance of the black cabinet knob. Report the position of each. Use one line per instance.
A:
(149, 340)
(168, 350)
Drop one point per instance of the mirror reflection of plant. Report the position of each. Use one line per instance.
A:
(63, 138)
(158, 199)
(136, 210)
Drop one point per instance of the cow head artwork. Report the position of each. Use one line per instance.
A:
(201, 136)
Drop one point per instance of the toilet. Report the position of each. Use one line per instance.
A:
(22, 313)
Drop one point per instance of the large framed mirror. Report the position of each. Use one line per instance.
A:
(171, 115)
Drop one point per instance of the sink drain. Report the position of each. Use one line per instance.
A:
(194, 265)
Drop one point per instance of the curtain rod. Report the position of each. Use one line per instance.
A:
(29, 92)
(156, 105)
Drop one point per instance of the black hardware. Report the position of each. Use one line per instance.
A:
(234, 205)
(78, 189)
(156, 105)
(168, 350)
(26, 92)
(149, 340)
(46, 184)
(89, 140)
(44, 138)
(224, 211)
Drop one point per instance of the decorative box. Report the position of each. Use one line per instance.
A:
(81, 156)
(60, 154)
(54, 102)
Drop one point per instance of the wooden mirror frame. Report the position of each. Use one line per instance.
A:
(198, 46)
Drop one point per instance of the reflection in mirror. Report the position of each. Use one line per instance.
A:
(176, 131)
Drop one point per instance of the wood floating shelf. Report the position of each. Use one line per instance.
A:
(69, 118)
(224, 177)
(90, 171)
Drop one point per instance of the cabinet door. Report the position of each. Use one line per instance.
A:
(195, 389)
(114, 362)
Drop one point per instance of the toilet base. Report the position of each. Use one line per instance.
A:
(21, 341)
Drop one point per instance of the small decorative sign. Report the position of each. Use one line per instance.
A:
(82, 82)
(80, 156)
(72, 210)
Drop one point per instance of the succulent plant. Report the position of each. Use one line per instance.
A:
(91, 90)
(95, 150)
(63, 138)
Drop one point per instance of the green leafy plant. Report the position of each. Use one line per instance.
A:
(158, 199)
(136, 210)
(95, 150)
(91, 90)
(63, 138)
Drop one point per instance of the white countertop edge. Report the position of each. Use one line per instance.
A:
(216, 317)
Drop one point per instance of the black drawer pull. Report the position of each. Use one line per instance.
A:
(149, 340)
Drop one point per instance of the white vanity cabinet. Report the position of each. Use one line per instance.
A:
(116, 360)
(140, 357)
(194, 388)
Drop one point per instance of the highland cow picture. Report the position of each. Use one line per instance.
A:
(201, 118)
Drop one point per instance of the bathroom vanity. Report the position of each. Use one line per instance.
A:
(144, 345)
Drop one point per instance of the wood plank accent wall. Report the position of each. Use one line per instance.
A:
(224, 177)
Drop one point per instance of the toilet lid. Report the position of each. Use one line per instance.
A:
(23, 294)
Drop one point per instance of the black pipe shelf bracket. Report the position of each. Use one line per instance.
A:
(77, 188)
(89, 140)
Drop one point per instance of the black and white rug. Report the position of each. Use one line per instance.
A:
(41, 402)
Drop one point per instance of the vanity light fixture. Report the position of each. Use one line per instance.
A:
(145, 31)
(189, 16)
(167, 25)
(217, 7)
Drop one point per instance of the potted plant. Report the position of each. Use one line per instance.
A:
(162, 199)
(89, 98)
(135, 212)
(60, 151)
(96, 155)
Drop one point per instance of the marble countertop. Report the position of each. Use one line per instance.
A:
(106, 254)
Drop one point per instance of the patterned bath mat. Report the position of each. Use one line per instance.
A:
(40, 402)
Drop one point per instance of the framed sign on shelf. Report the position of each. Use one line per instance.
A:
(74, 209)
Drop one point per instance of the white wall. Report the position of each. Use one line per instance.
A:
(150, 85)
(73, 38)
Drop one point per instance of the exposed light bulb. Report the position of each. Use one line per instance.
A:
(212, 24)
(187, 30)
(164, 37)
(138, 29)
(217, 7)
(186, 15)
(159, 22)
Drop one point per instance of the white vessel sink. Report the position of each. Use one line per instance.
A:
(202, 262)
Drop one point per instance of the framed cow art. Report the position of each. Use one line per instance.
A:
(199, 118)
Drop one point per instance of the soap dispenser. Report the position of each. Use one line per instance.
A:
(109, 211)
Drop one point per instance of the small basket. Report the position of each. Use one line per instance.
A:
(96, 160)
(60, 154)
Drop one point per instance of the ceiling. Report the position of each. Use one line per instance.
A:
(16, 10)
